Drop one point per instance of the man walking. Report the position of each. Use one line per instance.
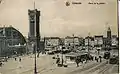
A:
(77, 61)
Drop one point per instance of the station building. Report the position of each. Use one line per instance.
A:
(12, 42)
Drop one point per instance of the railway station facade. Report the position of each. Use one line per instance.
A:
(12, 42)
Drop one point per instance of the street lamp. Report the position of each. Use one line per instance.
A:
(35, 67)
(62, 51)
(73, 43)
(88, 44)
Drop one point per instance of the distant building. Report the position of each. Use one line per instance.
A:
(104, 41)
(72, 41)
(69, 41)
(109, 37)
(81, 41)
(92, 42)
(98, 41)
(114, 40)
(52, 42)
(76, 41)
(89, 41)
(11, 41)
(42, 46)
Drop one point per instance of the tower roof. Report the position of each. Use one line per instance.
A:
(109, 29)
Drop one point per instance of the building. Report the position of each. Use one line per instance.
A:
(11, 41)
(76, 41)
(92, 42)
(98, 41)
(42, 46)
(33, 24)
(52, 42)
(109, 37)
(70, 57)
(70, 41)
(114, 41)
(34, 34)
(89, 41)
(81, 41)
(31, 34)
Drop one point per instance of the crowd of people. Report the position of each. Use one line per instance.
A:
(82, 60)
(5, 60)
(85, 60)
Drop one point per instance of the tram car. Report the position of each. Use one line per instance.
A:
(51, 53)
(114, 60)
(106, 55)
(84, 57)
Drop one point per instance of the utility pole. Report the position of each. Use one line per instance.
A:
(88, 41)
(73, 43)
(4, 38)
(62, 51)
(11, 37)
(35, 66)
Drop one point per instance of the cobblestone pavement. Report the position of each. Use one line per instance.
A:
(46, 65)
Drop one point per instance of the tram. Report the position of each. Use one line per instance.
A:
(106, 55)
(114, 60)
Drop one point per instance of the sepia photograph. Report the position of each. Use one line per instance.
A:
(59, 37)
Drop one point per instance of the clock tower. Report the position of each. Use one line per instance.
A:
(33, 24)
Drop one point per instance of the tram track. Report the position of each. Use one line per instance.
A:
(88, 67)
(104, 69)
(95, 68)
(41, 68)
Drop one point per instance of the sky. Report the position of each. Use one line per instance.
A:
(57, 19)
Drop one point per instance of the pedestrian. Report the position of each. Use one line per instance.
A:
(92, 58)
(58, 60)
(15, 58)
(57, 56)
(62, 61)
(77, 62)
(84, 62)
(97, 59)
(107, 62)
(19, 59)
(100, 58)
(1, 64)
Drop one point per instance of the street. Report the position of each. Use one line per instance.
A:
(47, 65)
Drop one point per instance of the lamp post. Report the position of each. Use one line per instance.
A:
(35, 68)
(62, 51)
(88, 44)
(73, 43)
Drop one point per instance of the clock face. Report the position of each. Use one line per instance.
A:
(32, 18)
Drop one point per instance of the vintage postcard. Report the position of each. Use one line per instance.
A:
(59, 37)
